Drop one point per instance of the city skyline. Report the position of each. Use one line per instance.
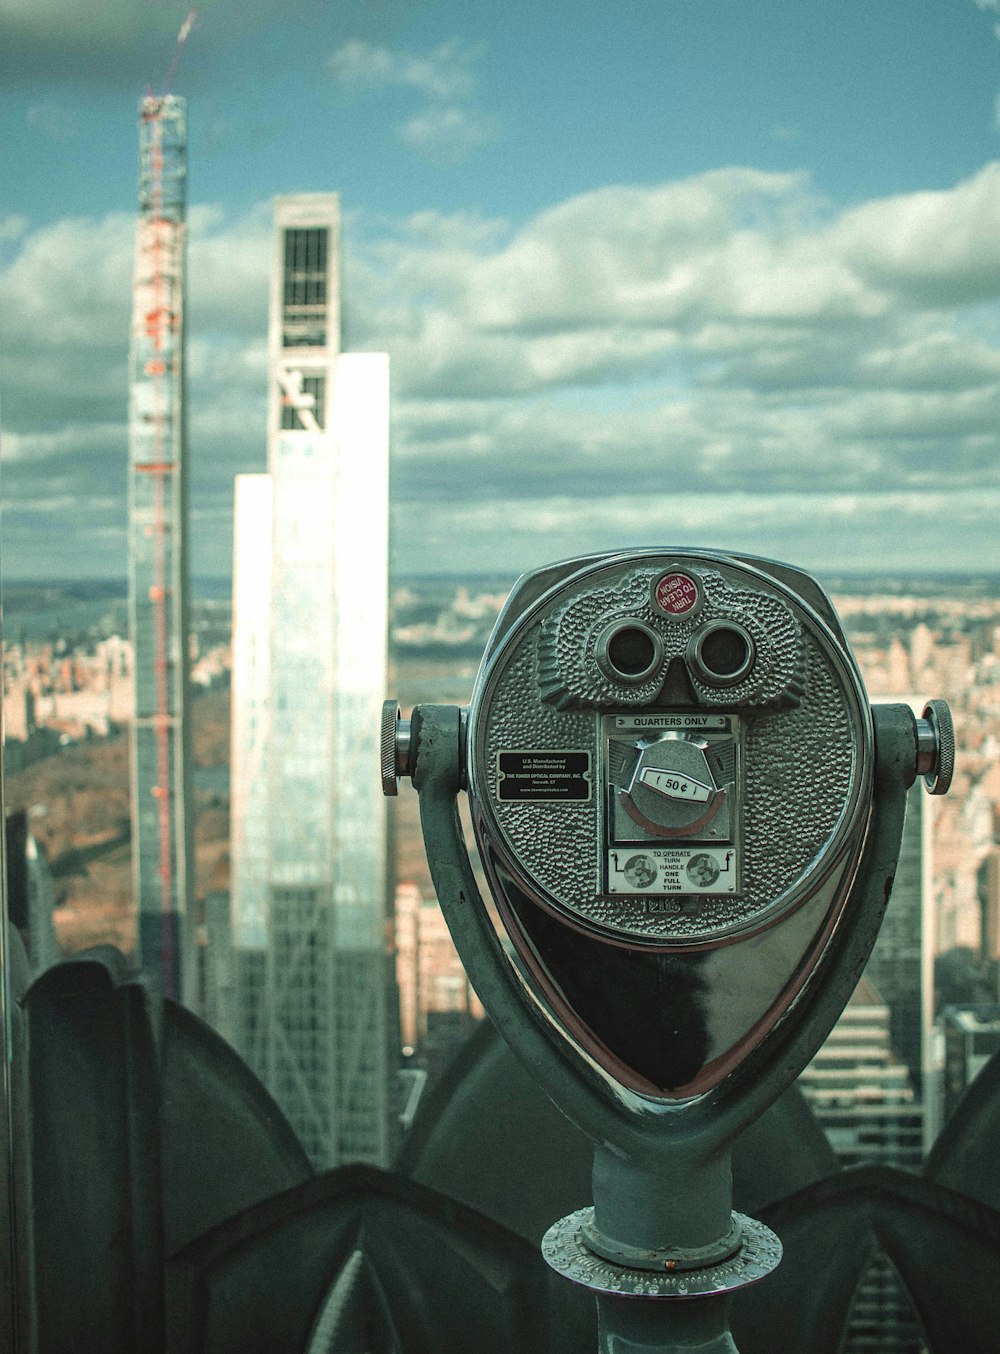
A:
(724, 279)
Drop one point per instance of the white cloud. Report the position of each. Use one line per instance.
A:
(664, 255)
(65, 296)
(937, 358)
(828, 533)
(65, 275)
(938, 248)
(724, 344)
(54, 119)
(447, 128)
(459, 229)
(12, 228)
(443, 74)
(674, 280)
(65, 442)
(447, 135)
(228, 265)
(359, 63)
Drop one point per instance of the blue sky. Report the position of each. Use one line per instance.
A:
(660, 272)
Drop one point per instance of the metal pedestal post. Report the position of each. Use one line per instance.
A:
(700, 1326)
(619, 1249)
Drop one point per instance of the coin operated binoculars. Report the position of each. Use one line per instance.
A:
(689, 817)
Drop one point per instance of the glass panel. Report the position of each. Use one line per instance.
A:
(304, 290)
(8, 1209)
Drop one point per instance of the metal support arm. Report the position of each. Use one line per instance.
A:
(581, 1093)
(662, 1178)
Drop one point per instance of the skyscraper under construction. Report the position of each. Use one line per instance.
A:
(161, 836)
(318, 1015)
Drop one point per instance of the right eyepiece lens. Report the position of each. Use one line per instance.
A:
(723, 654)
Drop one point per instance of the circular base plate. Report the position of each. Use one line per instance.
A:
(564, 1249)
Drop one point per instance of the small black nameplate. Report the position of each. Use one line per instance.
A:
(543, 776)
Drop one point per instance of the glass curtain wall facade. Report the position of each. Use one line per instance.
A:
(249, 781)
(320, 1013)
(902, 962)
(160, 762)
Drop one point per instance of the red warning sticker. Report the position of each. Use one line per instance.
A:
(676, 594)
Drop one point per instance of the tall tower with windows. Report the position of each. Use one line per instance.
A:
(323, 1015)
(901, 964)
(863, 1097)
(161, 834)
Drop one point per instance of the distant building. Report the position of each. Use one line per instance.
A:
(971, 1038)
(311, 908)
(861, 1092)
(863, 1097)
(19, 720)
(901, 965)
(437, 1005)
(158, 585)
(988, 893)
(216, 968)
(250, 710)
(30, 893)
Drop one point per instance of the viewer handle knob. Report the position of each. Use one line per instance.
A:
(395, 747)
(936, 747)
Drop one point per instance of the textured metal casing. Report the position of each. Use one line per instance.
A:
(807, 740)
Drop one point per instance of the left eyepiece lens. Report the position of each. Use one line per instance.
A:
(629, 651)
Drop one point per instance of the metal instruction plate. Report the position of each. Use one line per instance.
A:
(543, 775)
(667, 870)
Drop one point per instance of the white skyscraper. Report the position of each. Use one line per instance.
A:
(310, 886)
